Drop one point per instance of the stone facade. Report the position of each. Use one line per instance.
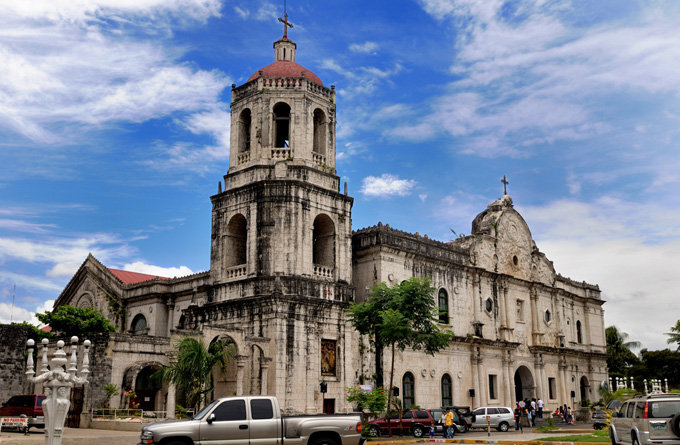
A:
(285, 265)
(13, 361)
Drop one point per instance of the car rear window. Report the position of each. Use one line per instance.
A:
(407, 415)
(261, 409)
(663, 409)
(631, 409)
(639, 407)
(422, 415)
(23, 401)
(504, 410)
(490, 411)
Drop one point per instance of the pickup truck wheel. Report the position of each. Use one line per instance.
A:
(418, 431)
(323, 440)
(503, 426)
(374, 431)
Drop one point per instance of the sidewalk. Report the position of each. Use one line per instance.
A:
(72, 436)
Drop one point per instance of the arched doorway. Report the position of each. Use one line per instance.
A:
(585, 387)
(524, 384)
(147, 387)
(408, 385)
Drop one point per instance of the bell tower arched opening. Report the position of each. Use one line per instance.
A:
(319, 143)
(244, 126)
(324, 242)
(524, 384)
(281, 125)
(237, 232)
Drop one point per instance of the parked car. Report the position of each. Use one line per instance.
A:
(256, 420)
(644, 420)
(462, 425)
(599, 418)
(25, 405)
(500, 417)
(413, 421)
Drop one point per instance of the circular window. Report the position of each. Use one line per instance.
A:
(515, 261)
(489, 304)
(548, 316)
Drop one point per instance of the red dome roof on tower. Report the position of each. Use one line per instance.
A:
(285, 68)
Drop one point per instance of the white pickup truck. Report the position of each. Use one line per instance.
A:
(254, 421)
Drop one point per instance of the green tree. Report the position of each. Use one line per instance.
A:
(674, 335)
(191, 367)
(374, 400)
(401, 316)
(621, 358)
(36, 333)
(69, 320)
(111, 390)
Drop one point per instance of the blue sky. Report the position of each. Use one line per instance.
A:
(114, 131)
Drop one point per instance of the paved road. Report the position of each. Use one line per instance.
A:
(81, 436)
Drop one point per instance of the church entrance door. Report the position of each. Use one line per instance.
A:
(524, 384)
(147, 387)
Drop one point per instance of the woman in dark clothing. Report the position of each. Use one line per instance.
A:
(518, 418)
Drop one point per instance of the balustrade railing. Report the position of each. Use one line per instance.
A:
(280, 153)
(319, 158)
(244, 157)
(323, 271)
(236, 271)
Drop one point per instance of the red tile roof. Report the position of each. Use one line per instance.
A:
(286, 68)
(128, 277)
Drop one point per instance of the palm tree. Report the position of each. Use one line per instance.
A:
(191, 367)
(674, 335)
(620, 355)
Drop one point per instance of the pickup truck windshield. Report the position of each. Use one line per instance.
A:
(205, 410)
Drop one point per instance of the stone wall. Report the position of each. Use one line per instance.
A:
(13, 361)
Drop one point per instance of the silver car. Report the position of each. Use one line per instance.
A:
(646, 420)
(500, 417)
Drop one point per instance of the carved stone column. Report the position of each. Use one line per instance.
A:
(539, 367)
(475, 378)
(171, 400)
(171, 316)
(502, 309)
(240, 366)
(482, 379)
(477, 292)
(586, 323)
(563, 377)
(535, 331)
(508, 377)
(265, 376)
(508, 319)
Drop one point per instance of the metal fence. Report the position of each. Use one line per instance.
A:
(131, 415)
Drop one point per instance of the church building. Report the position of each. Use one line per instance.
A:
(285, 264)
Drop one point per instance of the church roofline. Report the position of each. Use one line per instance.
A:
(582, 284)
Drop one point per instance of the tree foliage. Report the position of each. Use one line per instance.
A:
(401, 316)
(69, 320)
(621, 358)
(373, 401)
(191, 367)
(674, 335)
(36, 333)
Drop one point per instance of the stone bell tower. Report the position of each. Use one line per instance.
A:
(281, 215)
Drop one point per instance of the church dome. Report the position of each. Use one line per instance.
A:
(286, 68)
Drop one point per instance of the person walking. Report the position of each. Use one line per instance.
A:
(442, 420)
(518, 418)
(566, 414)
(449, 424)
(533, 412)
(540, 408)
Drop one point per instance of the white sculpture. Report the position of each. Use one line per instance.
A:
(57, 383)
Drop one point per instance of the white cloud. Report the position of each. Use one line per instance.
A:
(25, 226)
(364, 48)
(150, 269)
(386, 185)
(18, 313)
(528, 76)
(266, 11)
(70, 66)
(243, 13)
(631, 250)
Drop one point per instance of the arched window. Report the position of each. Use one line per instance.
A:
(182, 321)
(447, 394)
(443, 306)
(244, 123)
(281, 125)
(408, 383)
(236, 240)
(579, 334)
(139, 326)
(324, 241)
(319, 132)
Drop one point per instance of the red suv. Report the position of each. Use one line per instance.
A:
(26, 405)
(413, 421)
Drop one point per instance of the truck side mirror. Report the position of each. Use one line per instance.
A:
(210, 418)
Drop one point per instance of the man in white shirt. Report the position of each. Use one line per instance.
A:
(540, 408)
